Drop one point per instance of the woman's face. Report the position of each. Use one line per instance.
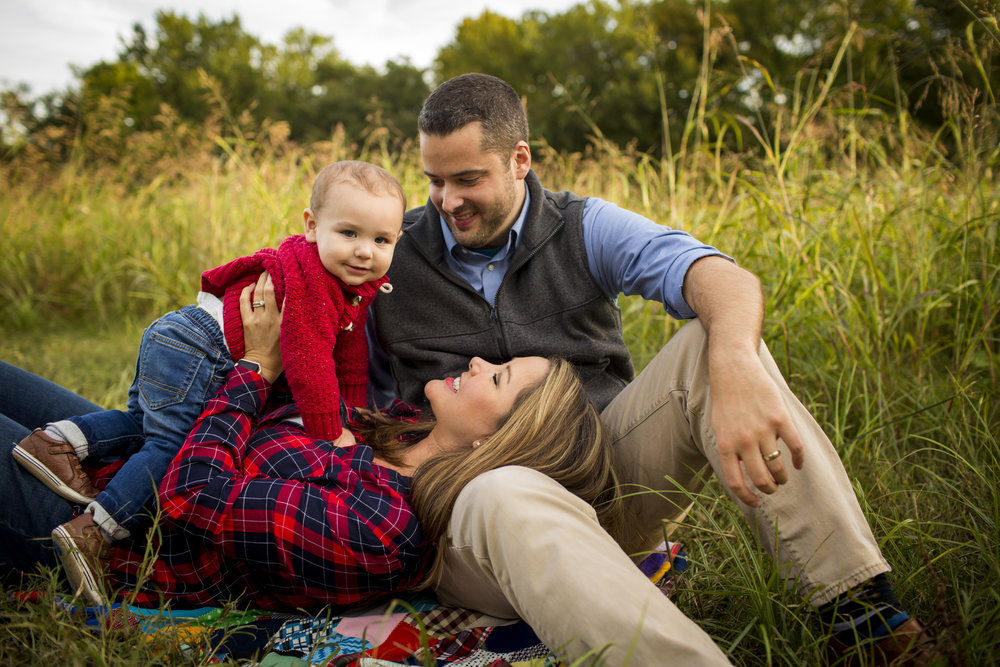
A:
(469, 407)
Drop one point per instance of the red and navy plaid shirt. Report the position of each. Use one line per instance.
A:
(255, 510)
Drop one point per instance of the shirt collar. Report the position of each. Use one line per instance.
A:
(515, 231)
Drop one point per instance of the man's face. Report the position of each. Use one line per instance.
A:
(478, 193)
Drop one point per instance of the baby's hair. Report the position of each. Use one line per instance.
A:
(365, 175)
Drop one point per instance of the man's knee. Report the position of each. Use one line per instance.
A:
(513, 495)
(691, 335)
(500, 486)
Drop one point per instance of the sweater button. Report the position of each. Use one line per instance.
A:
(349, 327)
(356, 301)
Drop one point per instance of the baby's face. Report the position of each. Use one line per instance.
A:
(355, 232)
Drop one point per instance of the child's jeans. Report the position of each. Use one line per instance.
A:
(183, 360)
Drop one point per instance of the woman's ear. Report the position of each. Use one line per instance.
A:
(310, 225)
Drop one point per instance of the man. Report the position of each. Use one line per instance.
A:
(496, 266)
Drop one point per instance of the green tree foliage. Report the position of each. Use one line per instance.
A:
(171, 58)
(574, 69)
(655, 74)
(189, 65)
(15, 116)
(364, 99)
(906, 54)
(630, 71)
(304, 81)
(125, 80)
(624, 73)
(311, 87)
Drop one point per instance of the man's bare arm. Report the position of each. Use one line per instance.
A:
(748, 414)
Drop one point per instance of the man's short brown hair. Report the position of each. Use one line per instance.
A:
(477, 97)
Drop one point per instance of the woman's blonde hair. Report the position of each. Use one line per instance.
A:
(554, 429)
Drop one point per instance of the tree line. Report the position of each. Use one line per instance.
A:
(631, 73)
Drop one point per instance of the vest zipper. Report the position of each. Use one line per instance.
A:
(495, 324)
(498, 331)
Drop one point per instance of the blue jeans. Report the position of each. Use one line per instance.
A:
(28, 509)
(183, 361)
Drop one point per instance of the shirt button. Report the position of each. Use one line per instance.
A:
(490, 267)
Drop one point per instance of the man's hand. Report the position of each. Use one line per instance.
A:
(748, 415)
(748, 418)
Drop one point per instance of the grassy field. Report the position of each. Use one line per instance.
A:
(877, 244)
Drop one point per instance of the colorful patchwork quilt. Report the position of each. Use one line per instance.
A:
(412, 631)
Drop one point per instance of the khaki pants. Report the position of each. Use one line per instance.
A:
(523, 546)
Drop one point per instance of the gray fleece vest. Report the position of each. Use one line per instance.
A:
(547, 305)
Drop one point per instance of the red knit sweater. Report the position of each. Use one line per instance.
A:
(323, 345)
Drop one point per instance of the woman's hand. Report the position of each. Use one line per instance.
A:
(262, 327)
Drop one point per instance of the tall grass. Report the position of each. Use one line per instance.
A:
(875, 239)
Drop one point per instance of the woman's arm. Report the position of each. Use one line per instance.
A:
(286, 512)
(199, 482)
(302, 520)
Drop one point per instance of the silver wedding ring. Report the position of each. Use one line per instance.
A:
(773, 455)
(257, 304)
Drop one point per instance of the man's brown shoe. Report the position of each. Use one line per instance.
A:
(911, 644)
(56, 465)
(85, 555)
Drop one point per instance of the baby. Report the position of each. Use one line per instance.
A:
(325, 280)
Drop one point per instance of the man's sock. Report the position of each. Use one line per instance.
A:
(866, 613)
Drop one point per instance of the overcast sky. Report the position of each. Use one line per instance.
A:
(41, 39)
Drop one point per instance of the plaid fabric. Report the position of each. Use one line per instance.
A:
(256, 510)
(460, 645)
(445, 621)
(377, 637)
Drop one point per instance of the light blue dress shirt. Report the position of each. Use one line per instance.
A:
(626, 254)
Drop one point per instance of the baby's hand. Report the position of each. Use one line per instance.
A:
(345, 440)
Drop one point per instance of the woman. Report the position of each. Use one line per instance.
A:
(253, 509)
